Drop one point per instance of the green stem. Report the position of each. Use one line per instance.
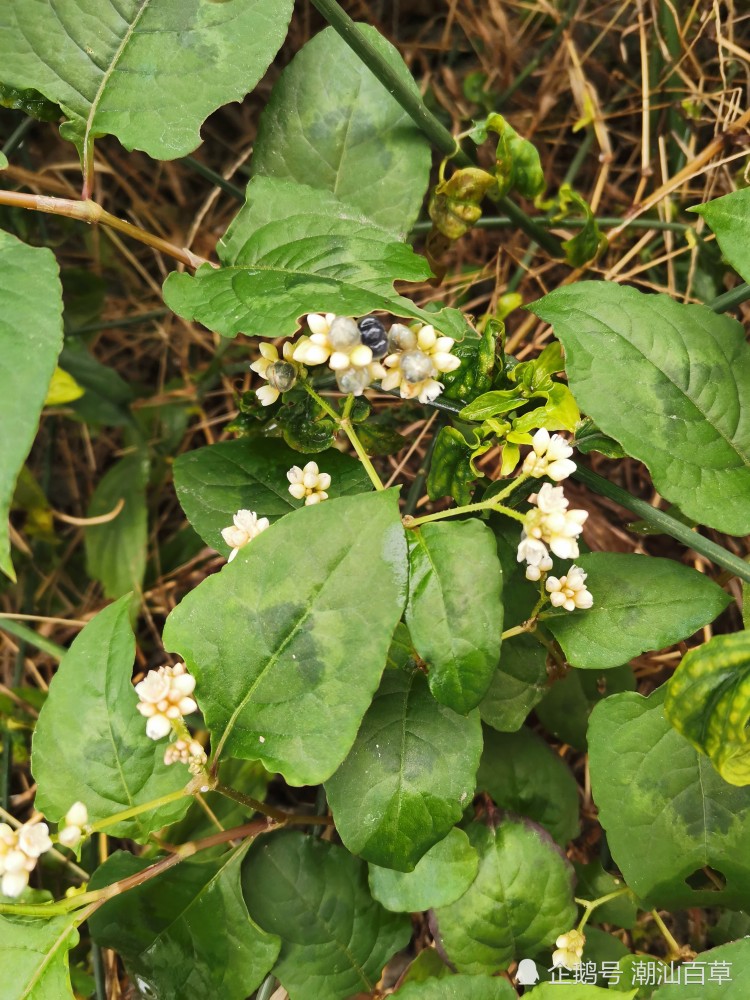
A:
(469, 508)
(675, 951)
(589, 905)
(412, 103)
(277, 814)
(604, 221)
(345, 425)
(27, 634)
(163, 800)
(665, 523)
(731, 299)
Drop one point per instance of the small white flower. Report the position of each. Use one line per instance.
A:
(33, 839)
(414, 369)
(569, 950)
(76, 819)
(308, 484)
(570, 591)
(13, 883)
(534, 570)
(188, 752)
(162, 702)
(550, 456)
(279, 372)
(247, 526)
(19, 852)
(335, 339)
(552, 524)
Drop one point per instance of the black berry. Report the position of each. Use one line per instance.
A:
(373, 335)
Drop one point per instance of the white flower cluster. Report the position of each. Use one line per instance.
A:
(165, 697)
(339, 341)
(417, 357)
(549, 523)
(279, 372)
(550, 456)
(247, 526)
(76, 819)
(308, 484)
(19, 852)
(569, 951)
(569, 591)
(189, 752)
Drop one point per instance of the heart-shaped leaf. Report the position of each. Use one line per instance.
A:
(195, 910)
(294, 250)
(720, 974)
(213, 483)
(147, 71)
(458, 988)
(31, 336)
(667, 812)
(519, 903)
(409, 775)
(34, 957)
(708, 701)
(671, 383)
(335, 939)
(518, 684)
(331, 124)
(565, 708)
(728, 218)
(455, 611)
(108, 762)
(288, 642)
(639, 604)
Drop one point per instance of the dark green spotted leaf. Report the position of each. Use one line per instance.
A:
(565, 708)
(31, 335)
(293, 250)
(454, 612)
(109, 763)
(330, 123)
(443, 874)
(34, 957)
(639, 604)
(288, 641)
(409, 775)
(728, 218)
(708, 701)
(720, 974)
(666, 811)
(518, 684)
(519, 903)
(451, 473)
(186, 932)
(335, 939)
(679, 401)
(116, 550)
(526, 777)
(147, 71)
(213, 483)
(458, 988)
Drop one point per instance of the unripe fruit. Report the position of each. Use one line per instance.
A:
(344, 333)
(353, 380)
(401, 338)
(281, 375)
(416, 366)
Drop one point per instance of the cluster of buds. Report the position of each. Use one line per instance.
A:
(417, 356)
(165, 698)
(245, 527)
(308, 484)
(569, 951)
(550, 523)
(189, 752)
(280, 372)
(351, 349)
(550, 456)
(76, 818)
(19, 852)
(569, 591)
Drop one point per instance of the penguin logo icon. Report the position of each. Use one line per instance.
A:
(526, 974)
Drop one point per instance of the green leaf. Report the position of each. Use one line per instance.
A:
(451, 473)
(640, 603)
(30, 102)
(666, 811)
(288, 641)
(186, 932)
(458, 988)
(116, 550)
(443, 874)
(293, 250)
(517, 166)
(109, 763)
(589, 438)
(62, 389)
(3, 161)
(519, 903)
(726, 975)
(592, 882)
(107, 396)
(566, 706)
(728, 218)
(331, 124)
(335, 939)
(574, 991)
(31, 335)
(679, 401)
(518, 684)
(455, 612)
(524, 776)
(34, 957)
(708, 701)
(147, 71)
(409, 775)
(589, 241)
(213, 483)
